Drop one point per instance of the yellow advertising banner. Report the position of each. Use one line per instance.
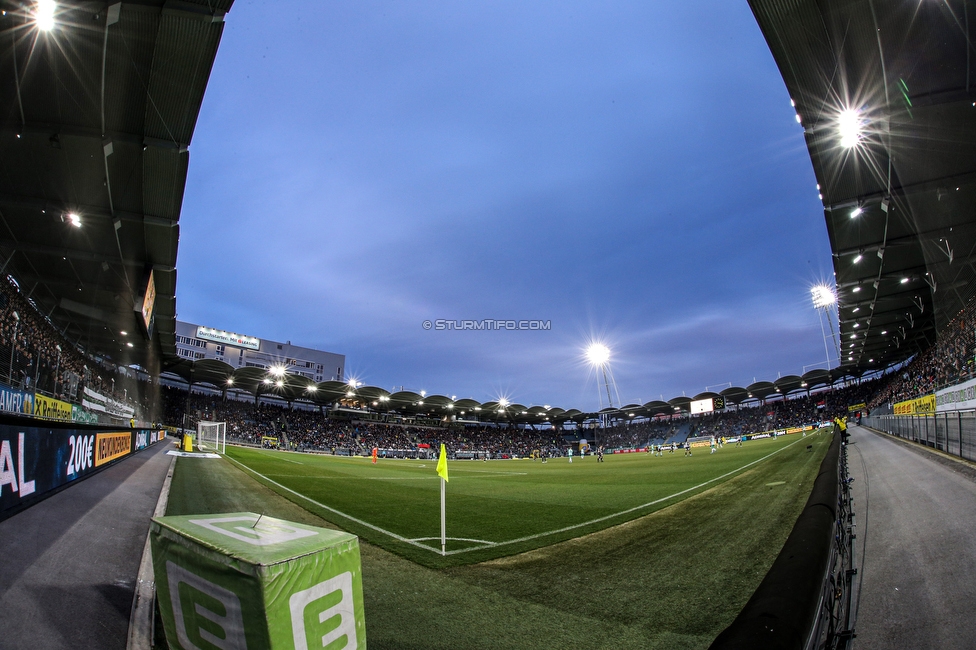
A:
(109, 446)
(51, 409)
(921, 406)
(857, 407)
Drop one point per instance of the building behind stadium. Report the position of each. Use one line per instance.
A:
(196, 342)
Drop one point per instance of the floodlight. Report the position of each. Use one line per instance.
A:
(74, 219)
(129, 343)
(856, 260)
(423, 393)
(350, 393)
(267, 381)
(857, 212)
(311, 388)
(904, 280)
(503, 402)
(279, 383)
(230, 381)
(44, 14)
(823, 296)
(598, 354)
(849, 127)
(124, 333)
(856, 289)
(277, 371)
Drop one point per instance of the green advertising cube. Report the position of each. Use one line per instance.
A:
(241, 580)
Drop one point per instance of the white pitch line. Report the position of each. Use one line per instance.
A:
(456, 539)
(622, 512)
(412, 542)
(399, 538)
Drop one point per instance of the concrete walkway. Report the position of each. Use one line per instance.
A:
(68, 565)
(916, 516)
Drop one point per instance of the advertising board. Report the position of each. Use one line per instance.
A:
(961, 397)
(36, 460)
(924, 405)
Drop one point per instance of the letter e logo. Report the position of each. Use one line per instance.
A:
(314, 612)
(206, 615)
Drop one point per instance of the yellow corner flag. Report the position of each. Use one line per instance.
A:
(442, 463)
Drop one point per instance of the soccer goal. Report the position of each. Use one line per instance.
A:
(212, 436)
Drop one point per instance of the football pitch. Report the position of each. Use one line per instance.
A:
(673, 578)
(494, 508)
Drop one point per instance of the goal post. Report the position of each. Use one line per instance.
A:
(212, 436)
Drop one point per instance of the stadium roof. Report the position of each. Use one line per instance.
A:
(94, 139)
(885, 95)
(294, 387)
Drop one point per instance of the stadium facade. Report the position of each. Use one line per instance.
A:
(195, 342)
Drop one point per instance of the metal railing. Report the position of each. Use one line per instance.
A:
(953, 432)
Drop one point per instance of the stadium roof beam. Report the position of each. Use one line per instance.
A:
(54, 132)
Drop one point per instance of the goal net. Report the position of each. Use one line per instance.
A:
(212, 436)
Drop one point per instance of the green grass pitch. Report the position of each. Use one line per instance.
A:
(671, 579)
(494, 508)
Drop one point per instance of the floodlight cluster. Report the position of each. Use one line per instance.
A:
(823, 296)
(44, 14)
(598, 354)
(849, 125)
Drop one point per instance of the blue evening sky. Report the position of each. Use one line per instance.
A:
(628, 171)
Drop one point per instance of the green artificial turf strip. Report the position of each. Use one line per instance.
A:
(673, 579)
(497, 501)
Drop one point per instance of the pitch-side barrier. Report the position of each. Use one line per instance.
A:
(39, 457)
(807, 599)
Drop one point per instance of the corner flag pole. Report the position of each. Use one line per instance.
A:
(443, 520)
(442, 472)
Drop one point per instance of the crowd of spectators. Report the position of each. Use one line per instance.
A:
(36, 357)
(33, 356)
(312, 430)
(948, 362)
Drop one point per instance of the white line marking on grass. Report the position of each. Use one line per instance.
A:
(481, 471)
(518, 540)
(399, 538)
(456, 539)
(622, 512)
(291, 461)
